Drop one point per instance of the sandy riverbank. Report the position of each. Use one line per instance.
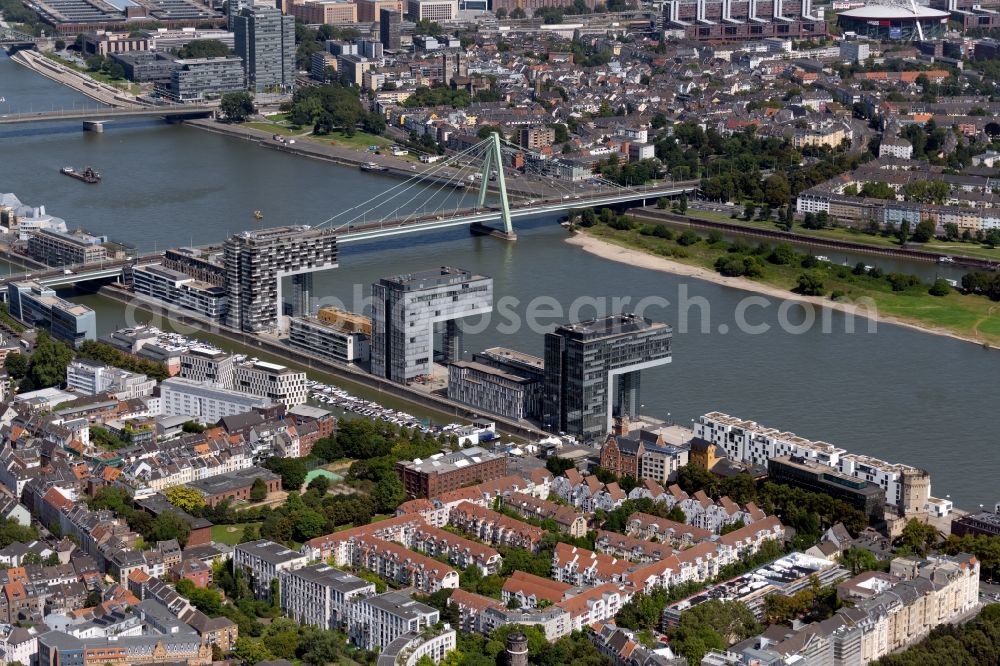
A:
(640, 259)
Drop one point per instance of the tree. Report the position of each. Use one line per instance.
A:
(940, 288)
(924, 231)
(168, 525)
(48, 362)
(320, 647)
(258, 491)
(16, 365)
(777, 191)
(236, 107)
(917, 537)
(192, 427)
(682, 203)
(308, 524)
(557, 465)
(185, 498)
(292, 471)
(809, 284)
(904, 232)
(253, 650)
(60, 45)
(11, 531)
(389, 493)
(859, 560)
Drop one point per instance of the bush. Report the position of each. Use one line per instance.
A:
(662, 232)
(662, 203)
(939, 288)
(714, 237)
(736, 266)
(688, 238)
(809, 261)
(902, 281)
(782, 254)
(809, 284)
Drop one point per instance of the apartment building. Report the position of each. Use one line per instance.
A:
(495, 528)
(377, 621)
(264, 561)
(329, 340)
(320, 595)
(57, 248)
(276, 382)
(92, 377)
(179, 290)
(491, 390)
(201, 364)
(460, 551)
(897, 611)
(341, 546)
(205, 402)
(530, 590)
(906, 487)
(582, 567)
(394, 562)
(256, 261)
(568, 520)
(441, 472)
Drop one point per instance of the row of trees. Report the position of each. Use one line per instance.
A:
(105, 353)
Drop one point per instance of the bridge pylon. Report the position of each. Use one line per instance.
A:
(493, 159)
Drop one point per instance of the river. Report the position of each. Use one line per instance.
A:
(897, 394)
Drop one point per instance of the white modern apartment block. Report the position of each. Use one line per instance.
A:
(92, 377)
(207, 365)
(748, 442)
(377, 621)
(179, 290)
(271, 380)
(894, 146)
(319, 595)
(264, 561)
(202, 401)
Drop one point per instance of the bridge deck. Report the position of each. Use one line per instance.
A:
(105, 114)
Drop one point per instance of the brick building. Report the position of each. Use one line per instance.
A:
(444, 472)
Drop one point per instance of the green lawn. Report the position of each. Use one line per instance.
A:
(222, 534)
(360, 141)
(955, 249)
(274, 128)
(968, 315)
